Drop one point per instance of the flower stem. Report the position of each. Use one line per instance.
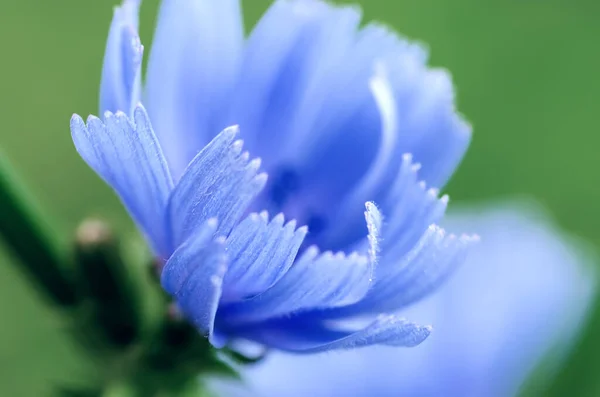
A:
(30, 239)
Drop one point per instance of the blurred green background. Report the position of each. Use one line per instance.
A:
(526, 73)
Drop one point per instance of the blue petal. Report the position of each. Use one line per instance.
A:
(287, 54)
(381, 170)
(185, 259)
(411, 208)
(402, 281)
(387, 330)
(429, 126)
(129, 158)
(198, 297)
(219, 182)
(192, 70)
(261, 252)
(380, 174)
(316, 281)
(121, 72)
(353, 138)
(295, 335)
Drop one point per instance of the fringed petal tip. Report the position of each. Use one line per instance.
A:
(127, 155)
(140, 115)
(315, 281)
(76, 123)
(221, 180)
(120, 86)
(464, 239)
(374, 224)
(261, 252)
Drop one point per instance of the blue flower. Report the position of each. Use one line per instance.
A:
(523, 291)
(341, 115)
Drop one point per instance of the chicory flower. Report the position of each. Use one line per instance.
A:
(340, 115)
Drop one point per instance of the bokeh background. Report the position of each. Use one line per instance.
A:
(526, 73)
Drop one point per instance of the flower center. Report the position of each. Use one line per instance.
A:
(287, 193)
(284, 185)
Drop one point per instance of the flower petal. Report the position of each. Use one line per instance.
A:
(121, 73)
(192, 70)
(198, 297)
(287, 50)
(387, 330)
(380, 174)
(315, 281)
(404, 280)
(261, 252)
(302, 337)
(381, 170)
(411, 209)
(219, 182)
(129, 158)
(185, 259)
(430, 127)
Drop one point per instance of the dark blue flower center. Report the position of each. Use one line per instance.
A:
(284, 194)
(284, 185)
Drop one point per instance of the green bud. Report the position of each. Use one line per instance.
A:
(107, 284)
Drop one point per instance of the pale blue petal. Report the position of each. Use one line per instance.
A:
(219, 182)
(129, 158)
(286, 54)
(386, 330)
(192, 70)
(381, 171)
(354, 130)
(261, 252)
(121, 73)
(315, 281)
(401, 281)
(186, 258)
(379, 175)
(296, 336)
(429, 126)
(419, 273)
(411, 209)
(198, 297)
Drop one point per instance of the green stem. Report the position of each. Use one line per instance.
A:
(29, 237)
